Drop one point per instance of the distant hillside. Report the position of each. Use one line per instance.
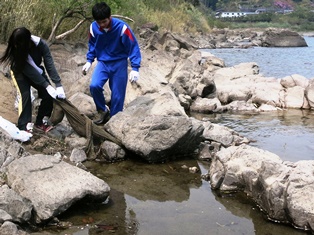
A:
(247, 5)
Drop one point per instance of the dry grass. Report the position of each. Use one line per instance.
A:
(182, 18)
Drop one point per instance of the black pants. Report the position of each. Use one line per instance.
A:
(23, 85)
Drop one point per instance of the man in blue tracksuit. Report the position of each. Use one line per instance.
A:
(112, 43)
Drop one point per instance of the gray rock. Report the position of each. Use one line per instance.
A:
(53, 185)
(112, 152)
(9, 228)
(282, 38)
(283, 190)
(19, 208)
(156, 128)
(78, 155)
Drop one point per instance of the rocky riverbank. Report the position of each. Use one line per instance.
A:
(175, 79)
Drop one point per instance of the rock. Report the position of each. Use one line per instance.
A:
(309, 92)
(112, 152)
(221, 134)
(84, 103)
(9, 228)
(78, 155)
(156, 128)
(204, 105)
(46, 180)
(294, 97)
(18, 208)
(277, 187)
(9, 150)
(282, 38)
(4, 216)
(294, 80)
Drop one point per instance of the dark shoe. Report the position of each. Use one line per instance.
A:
(43, 128)
(104, 117)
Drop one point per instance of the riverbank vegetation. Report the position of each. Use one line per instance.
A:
(69, 19)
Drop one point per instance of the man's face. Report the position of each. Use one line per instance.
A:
(104, 24)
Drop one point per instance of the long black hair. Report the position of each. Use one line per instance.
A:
(18, 48)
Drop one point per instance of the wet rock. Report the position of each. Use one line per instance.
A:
(221, 134)
(277, 187)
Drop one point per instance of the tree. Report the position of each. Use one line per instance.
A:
(77, 9)
(69, 9)
(210, 4)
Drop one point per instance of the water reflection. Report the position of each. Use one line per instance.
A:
(241, 206)
(157, 182)
(287, 133)
(165, 198)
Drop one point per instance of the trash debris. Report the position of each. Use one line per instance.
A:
(13, 131)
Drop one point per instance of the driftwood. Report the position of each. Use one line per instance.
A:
(53, 36)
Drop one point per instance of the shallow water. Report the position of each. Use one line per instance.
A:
(287, 133)
(165, 198)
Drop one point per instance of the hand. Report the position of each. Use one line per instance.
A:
(86, 67)
(51, 91)
(134, 76)
(60, 93)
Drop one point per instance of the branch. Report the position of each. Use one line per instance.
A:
(54, 29)
(69, 14)
(123, 17)
(61, 36)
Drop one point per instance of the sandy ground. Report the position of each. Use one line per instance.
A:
(7, 98)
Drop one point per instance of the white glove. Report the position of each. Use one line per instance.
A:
(134, 76)
(86, 67)
(51, 91)
(60, 93)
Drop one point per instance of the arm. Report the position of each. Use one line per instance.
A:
(91, 54)
(49, 63)
(33, 74)
(130, 42)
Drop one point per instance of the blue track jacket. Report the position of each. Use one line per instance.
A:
(115, 44)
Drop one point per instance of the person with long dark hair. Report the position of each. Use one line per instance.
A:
(25, 54)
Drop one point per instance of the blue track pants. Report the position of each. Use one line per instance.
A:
(117, 74)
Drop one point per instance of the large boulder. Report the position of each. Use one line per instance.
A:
(156, 128)
(282, 189)
(282, 38)
(53, 185)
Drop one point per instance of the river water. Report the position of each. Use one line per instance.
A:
(165, 199)
(273, 62)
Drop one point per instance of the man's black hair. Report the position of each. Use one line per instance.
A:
(101, 11)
